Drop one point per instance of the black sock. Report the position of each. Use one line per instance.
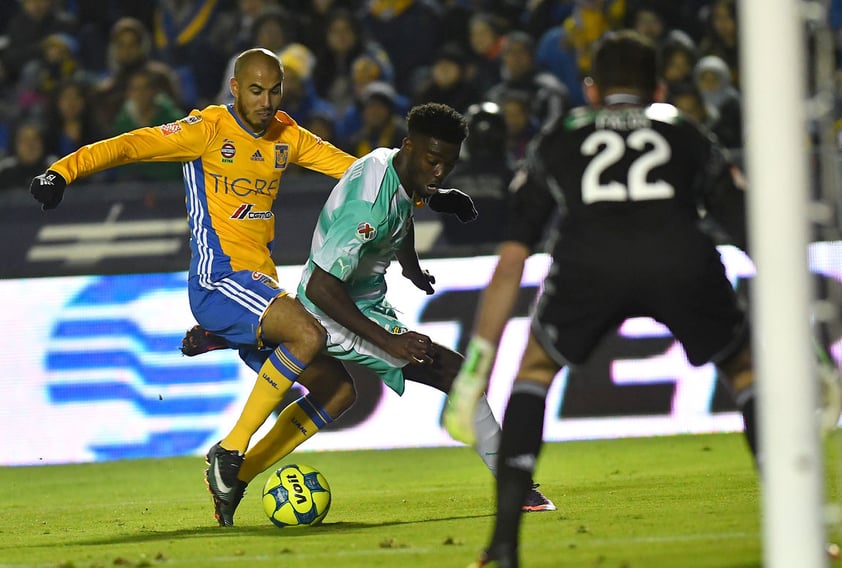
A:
(745, 402)
(523, 428)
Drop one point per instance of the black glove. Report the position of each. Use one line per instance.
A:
(454, 201)
(48, 189)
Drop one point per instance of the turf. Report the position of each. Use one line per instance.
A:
(689, 501)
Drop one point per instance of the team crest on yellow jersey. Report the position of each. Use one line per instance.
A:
(281, 156)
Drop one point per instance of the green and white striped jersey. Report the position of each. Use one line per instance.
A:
(360, 228)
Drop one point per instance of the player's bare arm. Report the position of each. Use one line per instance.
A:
(408, 259)
(330, 296)
(500, 296)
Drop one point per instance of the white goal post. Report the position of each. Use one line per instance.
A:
(773, 78)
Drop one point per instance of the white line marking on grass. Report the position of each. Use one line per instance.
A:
(664, 538)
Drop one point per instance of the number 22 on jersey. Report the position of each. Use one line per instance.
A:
(607, 148)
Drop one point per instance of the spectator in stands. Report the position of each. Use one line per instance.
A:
(40, 77)
(238, 23)
(484, 174)
(146, 105)
(70, 118)
(721, 36)
(587, 23)
(29, 157)
(448, 81)
(409, 32)
(555, 53)
(300, 99)
(36, 20)
(342, 43)
(521, 124)
(314, 17)
(382, 125)
(323, 125)
(647, 18)
(687, 98)
(95, 19)
(677, 60)
(548, 96)
(272, 30)
(713, 78)
(367, 68)
(455, 22)
(486, 33)
(542, 15)
(190, 37)
(129, 50)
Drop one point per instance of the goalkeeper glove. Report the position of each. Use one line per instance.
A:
(454, 201)
(48, 189)
(467, 389)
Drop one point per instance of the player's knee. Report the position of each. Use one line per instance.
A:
(449, 362)
(311, 338)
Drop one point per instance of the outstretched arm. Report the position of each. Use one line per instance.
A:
(329, 294)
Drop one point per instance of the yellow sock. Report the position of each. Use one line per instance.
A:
(275, 378)
(296, 424)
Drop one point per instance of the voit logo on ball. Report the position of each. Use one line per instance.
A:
(113, 356)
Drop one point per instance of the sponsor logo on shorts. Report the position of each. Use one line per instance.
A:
(246, 212)
(192, 119)
(266, 280)
(365, 232)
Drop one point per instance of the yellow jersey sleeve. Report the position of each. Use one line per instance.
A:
(315, 154)
(180, 141)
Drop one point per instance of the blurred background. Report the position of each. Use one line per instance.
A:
(93, 294)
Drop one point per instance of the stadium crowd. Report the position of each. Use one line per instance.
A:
(74, 71)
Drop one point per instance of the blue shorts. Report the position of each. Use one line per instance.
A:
(233, 305)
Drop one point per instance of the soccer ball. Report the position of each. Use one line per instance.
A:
(296, 496)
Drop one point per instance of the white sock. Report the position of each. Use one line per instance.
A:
(488, 434)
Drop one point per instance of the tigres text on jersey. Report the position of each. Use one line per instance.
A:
(231, 177)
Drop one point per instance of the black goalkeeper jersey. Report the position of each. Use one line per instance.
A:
(619, 175)
(630, 183)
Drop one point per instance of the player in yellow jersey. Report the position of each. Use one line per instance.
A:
(233, 158)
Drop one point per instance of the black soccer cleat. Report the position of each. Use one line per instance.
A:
(536, 501)
(223, 484)
(198, 340)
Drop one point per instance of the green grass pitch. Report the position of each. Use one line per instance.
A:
(689, 501)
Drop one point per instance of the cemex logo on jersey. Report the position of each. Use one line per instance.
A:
(365, 232)
(244, 211)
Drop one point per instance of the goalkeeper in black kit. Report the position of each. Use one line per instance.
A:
(630, 176)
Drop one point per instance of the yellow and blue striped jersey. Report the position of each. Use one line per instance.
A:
(231, 176)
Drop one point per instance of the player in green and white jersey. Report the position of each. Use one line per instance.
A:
(366, 223)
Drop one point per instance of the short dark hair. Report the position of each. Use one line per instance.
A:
(625, 59)
(437, 120)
